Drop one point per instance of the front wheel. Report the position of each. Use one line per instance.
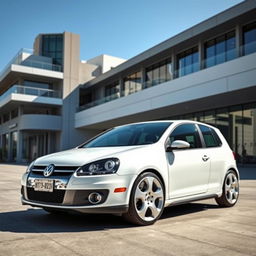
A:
(230, 190)
(147, 200)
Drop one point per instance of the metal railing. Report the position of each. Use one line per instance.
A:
(20, 89)
(183, 71)
(18, 60)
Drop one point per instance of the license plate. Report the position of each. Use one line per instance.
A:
(43, 185)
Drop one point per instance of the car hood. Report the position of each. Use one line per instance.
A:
(81, 156)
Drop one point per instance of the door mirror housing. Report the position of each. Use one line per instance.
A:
(177, 144)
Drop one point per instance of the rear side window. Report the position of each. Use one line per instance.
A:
(211, 138)
(188, 133)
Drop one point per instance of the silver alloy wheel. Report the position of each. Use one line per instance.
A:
(231, 188)
(149, 198)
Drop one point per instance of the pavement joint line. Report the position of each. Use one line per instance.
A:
(208, 243)
(62, 245)
(156, 251)
(219, 229)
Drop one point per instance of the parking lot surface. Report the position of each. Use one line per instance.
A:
(200, 228)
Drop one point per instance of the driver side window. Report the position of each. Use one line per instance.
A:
(188, 133)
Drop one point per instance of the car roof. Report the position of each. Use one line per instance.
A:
(175, 122)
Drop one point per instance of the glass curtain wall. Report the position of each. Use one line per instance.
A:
(132, 83)
(37, 143)
(112, 91)
(52, 46)
(5, 147)
(220, 49)
(249, 38)
(187, 62)
(159, 73)
(238, 126)
(14, 141)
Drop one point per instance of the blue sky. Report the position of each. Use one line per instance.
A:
(115, 27)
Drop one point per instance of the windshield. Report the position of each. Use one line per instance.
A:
(130, 135)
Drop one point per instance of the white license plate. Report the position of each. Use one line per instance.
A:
(43, 185)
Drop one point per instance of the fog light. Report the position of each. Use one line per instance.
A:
(95, 198)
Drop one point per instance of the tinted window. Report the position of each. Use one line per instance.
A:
(211, 139)
(188, 133)
(130, 135)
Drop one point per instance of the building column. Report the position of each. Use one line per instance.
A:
(19, 146)
(174, 66)
(120, 87)
(9, 151)
(201, 55)
(239, 41)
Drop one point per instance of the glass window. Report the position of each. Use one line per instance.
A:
(130, 135)
(14, 141)
(112, 91)
(188, 62)
(52, 46)
(249, 38)
(85, 97)
(14, 113)
(5, 146)
(236, 130)
(169, 70)
(220, 49)
(159, 73)
(132, 83)
(6, 117)
(209, 117)
(249, 132)
(209, 137)
(188, 133)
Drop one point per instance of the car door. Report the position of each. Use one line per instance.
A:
(189, 169)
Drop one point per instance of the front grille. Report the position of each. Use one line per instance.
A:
(58, 171)
(56, 196)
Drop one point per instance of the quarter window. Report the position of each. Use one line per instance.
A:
(188, 133)
(211, 139)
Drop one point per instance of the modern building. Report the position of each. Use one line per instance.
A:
(206, 73)
(38, 97)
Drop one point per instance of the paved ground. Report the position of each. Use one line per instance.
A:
(194, 229)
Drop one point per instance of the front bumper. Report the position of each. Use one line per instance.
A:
(71, 193)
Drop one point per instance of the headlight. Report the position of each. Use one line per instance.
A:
(30, 167)
(104, 166)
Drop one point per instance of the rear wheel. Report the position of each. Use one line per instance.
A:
(230, 190)
(147, 200)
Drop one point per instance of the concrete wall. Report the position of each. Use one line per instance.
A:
(106, 62)
(223, 78)
(75, 73)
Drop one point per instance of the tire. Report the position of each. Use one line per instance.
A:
(147, 200)
(230, 190)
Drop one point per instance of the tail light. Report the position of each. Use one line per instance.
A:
(234, 154)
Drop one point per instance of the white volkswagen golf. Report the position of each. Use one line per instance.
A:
(136, 170)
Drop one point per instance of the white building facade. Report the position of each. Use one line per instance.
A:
(51, 101)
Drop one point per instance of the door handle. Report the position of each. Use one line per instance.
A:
(205, 158)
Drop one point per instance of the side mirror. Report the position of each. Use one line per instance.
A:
(177, 144)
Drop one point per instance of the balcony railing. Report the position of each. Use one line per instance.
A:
(19, 89)
(18, 59)
(183, 71)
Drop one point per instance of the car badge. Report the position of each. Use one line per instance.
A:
(48, 171)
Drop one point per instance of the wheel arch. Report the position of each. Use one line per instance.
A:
(157, 173)
(235, 170)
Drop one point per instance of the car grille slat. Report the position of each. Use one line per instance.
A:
(57, 196)
(59, 170)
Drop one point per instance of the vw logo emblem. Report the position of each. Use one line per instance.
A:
(48, 171)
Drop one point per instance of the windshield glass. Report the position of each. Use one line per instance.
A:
(130, 135)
